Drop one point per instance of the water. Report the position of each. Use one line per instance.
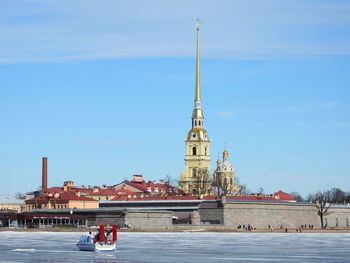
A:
(179, 247)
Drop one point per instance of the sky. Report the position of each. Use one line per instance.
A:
(105, 90)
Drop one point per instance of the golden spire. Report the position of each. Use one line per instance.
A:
(198, 83)
(197, 114)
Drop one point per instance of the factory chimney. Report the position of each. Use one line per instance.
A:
(44, 175)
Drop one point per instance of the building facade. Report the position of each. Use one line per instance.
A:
(224, 176)
(195, 177)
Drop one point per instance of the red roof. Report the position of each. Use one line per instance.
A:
(105, 192)
(69, 196)
(193, 197)
(61, 198)
(280, 195)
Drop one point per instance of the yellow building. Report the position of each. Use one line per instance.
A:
(195, 177)
(11, 204)
(62, 200)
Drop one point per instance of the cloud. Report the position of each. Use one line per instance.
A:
(224, 114)
(331, 105)
(328, 105)
(112, 142)
(43, 31)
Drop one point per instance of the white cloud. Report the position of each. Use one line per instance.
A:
(34, 31)
(113, 142)
(328, 105)
(224, 114)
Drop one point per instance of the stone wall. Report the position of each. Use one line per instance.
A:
(216, 215)
(338, 217)
(148, 220)
(261, 215)
(108, 219)
(212, 215)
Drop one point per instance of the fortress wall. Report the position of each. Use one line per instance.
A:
(211, 215)
(148, 220)
(107, 219)
(338, 216)
(262, 214)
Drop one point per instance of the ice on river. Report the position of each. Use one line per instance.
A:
(179, 247)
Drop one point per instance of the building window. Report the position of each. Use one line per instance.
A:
(199, 123)
(194, 151)
(195, 123)
(205, 150)
(347, 222)
(194, 172)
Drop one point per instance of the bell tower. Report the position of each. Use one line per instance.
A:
(195, 177)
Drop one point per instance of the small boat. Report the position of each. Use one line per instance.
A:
(101, 241)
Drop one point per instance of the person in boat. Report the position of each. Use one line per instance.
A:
(97, 236)
(108, 234)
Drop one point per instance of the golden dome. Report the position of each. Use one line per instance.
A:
(225, 154)
(197, 134)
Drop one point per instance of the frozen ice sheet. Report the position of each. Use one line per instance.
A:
(179, 247)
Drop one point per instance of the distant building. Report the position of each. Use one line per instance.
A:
(70, 196)
(224, 176)
(11, 204)
(60, 200)
(280, 195)
(138, 187)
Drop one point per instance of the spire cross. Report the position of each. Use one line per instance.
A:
(198, 23)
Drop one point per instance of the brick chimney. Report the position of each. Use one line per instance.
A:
(44, 175)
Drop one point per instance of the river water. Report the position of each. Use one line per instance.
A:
(179, 247)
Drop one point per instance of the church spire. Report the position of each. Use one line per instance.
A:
(197, 153)
(198, 81)
(197, 114)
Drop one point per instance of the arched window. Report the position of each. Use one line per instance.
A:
(205, 150)
(199, 123)
(195, 123)
(194, 172)
(194, 151)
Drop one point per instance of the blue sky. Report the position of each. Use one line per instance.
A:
(105, 90)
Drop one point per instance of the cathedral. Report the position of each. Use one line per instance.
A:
(196, 178)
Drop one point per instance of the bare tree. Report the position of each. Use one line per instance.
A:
(201, 182)
(20, 196)
(323, 203)
(239, 189)
(337, 196)
(169, 183)
(347, 197)
(220, 185)
(297, 196)
(261, 191)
